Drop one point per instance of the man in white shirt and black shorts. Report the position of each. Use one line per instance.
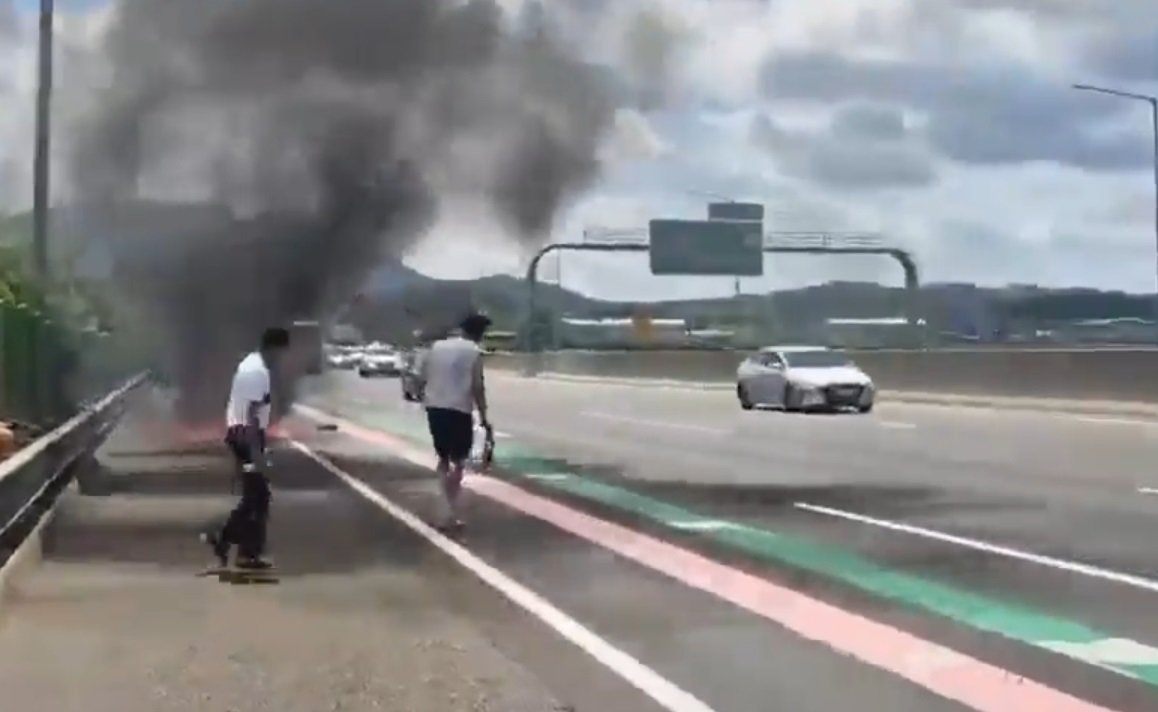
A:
(247, 419)
(453, 386)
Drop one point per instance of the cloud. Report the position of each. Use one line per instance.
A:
(9, 23)
(869, 122)
(1136, 208)
(948, 126)
(632, 139)
(1132, 57)
(985, 114)
(866, 147)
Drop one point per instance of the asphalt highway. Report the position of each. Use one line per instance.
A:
(1023, 540)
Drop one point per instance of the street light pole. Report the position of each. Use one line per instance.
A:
(42, 163)
(42, 372)
(1153, 102)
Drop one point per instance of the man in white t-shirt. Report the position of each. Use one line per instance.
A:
(246, 421)
(452, 376)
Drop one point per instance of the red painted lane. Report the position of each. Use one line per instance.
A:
(946, 672)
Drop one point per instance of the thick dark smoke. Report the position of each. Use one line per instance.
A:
(319, 136)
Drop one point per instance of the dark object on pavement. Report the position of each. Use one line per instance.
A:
(488, 451)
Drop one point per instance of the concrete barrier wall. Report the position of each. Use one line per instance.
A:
(1092, 374)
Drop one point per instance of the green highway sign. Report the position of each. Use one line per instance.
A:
(706, 248)
(749, 212)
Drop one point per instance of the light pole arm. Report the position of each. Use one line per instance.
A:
(1116, 92)
(1153, 102)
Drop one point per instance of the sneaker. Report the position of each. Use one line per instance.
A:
(254, 564)
(451, 526)
(219, 547)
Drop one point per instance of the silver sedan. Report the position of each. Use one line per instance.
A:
(797, 378)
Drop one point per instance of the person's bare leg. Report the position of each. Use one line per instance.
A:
(442, 470)
(452, 488)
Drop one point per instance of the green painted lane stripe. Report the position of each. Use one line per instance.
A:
(1013, 621)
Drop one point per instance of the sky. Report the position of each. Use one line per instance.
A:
(946, 127)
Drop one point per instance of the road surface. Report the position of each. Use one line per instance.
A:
(1023, 541)
(367, 616)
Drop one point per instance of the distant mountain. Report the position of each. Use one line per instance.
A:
(394, 278)
(398, 300)
(402, 301)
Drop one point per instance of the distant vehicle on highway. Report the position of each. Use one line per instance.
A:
(800, 378)
(411, 374)
(383, 361)
(342, 360)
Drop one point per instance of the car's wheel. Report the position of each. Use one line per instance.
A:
(791, 399)
(362, 373)
(865, 408)
(745, 402)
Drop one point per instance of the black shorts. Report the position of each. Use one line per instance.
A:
(238, 443)
(452, 432)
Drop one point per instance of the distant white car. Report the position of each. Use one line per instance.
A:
(798, 378)
(342, 360)
(380, 363)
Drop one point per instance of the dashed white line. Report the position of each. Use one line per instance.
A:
(1097, 420)
(640, 676)
(897, 425)
(1009, 552)
(704, 526)
(1148, 490)
(654, 423)
(951, 675)
(1107, 652)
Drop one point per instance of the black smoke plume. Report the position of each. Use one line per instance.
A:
(318, 137)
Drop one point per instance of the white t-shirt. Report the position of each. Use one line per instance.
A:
(448, 370)
(250, 385)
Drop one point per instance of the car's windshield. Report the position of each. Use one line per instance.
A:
(817, 359)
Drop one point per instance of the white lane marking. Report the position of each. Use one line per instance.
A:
(643, 678)
(560, 379)
(1099, 420)
(703, 526)
(1061, 564)
(1108, 651)
(897, 425)
(1148, 490)
(547, 477)
(654, 423)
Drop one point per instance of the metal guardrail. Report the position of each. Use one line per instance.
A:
(30, 479)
